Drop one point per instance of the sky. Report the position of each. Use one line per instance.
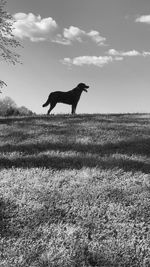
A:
(103, 43)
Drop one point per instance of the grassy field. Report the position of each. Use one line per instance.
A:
(75, 191)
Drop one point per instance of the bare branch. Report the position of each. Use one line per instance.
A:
(2, 83)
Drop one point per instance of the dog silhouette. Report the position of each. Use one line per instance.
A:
(70, 97)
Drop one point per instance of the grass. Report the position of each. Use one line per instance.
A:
(75, 191)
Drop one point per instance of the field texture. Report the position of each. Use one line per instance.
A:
(75, 191)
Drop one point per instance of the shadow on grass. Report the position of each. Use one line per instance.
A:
(130, 147)
(7, 211)
(42, 154)
(13, 224)
(73, 162)
(24, 223)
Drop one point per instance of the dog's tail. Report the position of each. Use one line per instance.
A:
(47, 102)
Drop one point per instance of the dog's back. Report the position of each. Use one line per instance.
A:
(68, 97)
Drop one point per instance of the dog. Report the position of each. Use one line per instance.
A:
(70, 97)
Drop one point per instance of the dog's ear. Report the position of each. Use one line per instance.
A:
(82, 85)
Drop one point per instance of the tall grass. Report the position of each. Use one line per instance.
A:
(75, 190)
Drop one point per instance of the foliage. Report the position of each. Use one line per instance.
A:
(75, 191)
(25, 111)
(9, 108)
(7, 40)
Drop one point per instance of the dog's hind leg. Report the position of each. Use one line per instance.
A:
(73, 110)
(51, 107)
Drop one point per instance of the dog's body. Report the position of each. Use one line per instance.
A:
(70, 97)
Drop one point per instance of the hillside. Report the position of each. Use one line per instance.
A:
(75, 190)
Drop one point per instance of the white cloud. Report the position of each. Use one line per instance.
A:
(88, 60)
(145, 54)
(100, 61)
(60, 40)
(131, 53)
(118, 58)
(143, 19)
(33, 27)
(36, 29)
(73, 34)
(95, 36)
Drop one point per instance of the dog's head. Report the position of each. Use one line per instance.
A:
(83, 86)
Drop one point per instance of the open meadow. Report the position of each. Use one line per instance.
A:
(75, 191)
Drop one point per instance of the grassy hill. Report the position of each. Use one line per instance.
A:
(75, 191)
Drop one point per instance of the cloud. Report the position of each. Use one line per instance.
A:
(60, 40)
(37, 29)
(95, 36)
(100, 61)
(88, 60)
(33, 27)
(131, 53)
(145, 53)
(74, 34)
(143, 19)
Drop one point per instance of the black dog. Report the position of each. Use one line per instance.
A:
(70, 97)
